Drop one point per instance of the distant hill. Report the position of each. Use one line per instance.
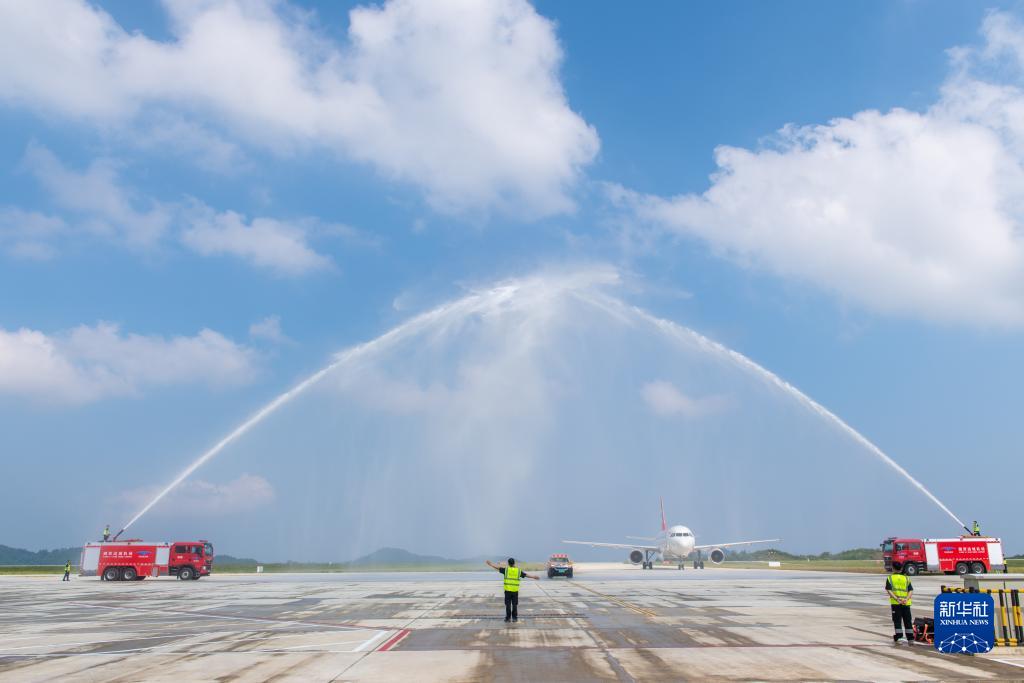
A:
(20, 556)
(393, 557)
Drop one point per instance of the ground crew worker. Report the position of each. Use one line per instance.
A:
(67, 571)
(900, 590)
(106, 533)
(512, 574)
(977, 529)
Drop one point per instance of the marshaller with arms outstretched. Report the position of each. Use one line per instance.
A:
(674, 544)
(512, 573)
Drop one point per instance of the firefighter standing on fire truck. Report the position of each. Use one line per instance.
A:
(900, 591)
(106, 533)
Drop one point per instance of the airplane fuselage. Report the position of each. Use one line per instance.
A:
(676, 543)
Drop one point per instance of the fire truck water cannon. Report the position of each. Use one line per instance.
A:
(962, 555)
(135, 559)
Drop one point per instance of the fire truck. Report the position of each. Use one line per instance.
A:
(134, 560)
(962, 555)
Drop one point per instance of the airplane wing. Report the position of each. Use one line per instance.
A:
(726, 545)
(626, 546)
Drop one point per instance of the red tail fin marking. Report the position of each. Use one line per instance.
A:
(664, 525)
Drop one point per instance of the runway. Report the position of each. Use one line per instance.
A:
(609, 623)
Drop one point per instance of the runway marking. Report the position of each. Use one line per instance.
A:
(215, 653)
(394, 640)
(621, 603)
(344, 627)
(81, 644)
(371, 641)
(1003, 661)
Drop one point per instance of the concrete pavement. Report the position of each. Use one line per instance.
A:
(609, 623)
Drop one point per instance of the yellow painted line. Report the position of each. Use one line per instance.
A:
(617, 601)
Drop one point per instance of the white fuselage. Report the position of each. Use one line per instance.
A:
(676, 543)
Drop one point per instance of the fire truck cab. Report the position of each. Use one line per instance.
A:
(963, 555)
(135, 559)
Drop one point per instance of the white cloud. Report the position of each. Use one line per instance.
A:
(98, 203)
(918, 214)
(664, 399)
(90, 363)
(264, 242)
(198, 497)
(460, 97)
(270, 329)
(107, 208)
(29, 234)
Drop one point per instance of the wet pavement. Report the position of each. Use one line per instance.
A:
(609, 623)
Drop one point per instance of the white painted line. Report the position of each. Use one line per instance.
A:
(81, 644)
(307, 624)
(307, 647)
(1004, 661)
(170, 653)
(372, 641)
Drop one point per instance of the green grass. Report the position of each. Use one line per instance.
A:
(284, 568)
(861, 566)
(316, 568)
(14, 569)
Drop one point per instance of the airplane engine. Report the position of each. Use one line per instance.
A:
(636, 557)
(717, 556)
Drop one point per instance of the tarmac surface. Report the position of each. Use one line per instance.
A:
(611, 622)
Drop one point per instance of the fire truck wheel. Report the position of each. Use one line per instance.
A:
(977, 568)
(910, 569)
(185, 573)
(961, 568)
(129, 573)
(111, 574)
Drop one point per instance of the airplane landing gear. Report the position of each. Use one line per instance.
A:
(648, 562)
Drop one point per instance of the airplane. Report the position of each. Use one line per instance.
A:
(674, 543)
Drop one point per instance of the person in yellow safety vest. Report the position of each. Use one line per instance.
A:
(106, 533)
(512, 573)
(67, 571)
(900, 591)
(977, 529)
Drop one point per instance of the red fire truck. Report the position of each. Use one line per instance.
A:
(134, 559)
(962, 555)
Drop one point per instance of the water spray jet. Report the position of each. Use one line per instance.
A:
(584, 289)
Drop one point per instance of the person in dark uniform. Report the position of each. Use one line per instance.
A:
(511, 574)
(67, 571)
(900, 592)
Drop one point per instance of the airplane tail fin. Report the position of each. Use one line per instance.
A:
(664, 525)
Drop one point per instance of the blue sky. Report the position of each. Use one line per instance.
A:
(200, 204)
